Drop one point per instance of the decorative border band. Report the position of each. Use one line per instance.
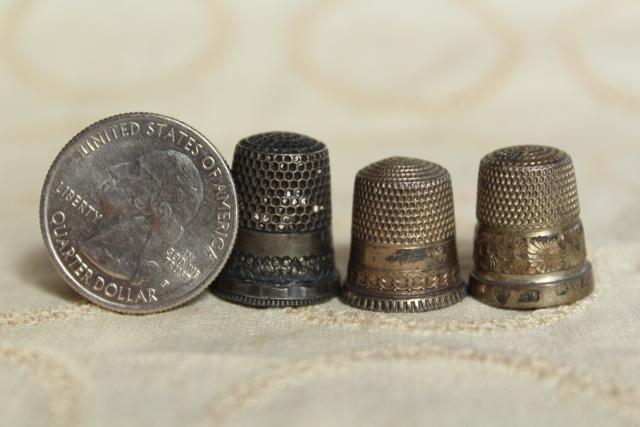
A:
(402, 270)
(279, 269)
(558, 250)
(403, 282)
(505, 294)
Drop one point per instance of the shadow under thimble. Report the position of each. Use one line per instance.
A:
(529, 248)
(284, 252)
(403, 249)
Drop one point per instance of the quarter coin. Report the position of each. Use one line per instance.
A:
(139, 213)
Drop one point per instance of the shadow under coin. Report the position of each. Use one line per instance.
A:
(36, 270)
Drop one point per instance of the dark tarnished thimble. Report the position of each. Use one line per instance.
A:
(403, 247)
(529, 249)
(284, 251)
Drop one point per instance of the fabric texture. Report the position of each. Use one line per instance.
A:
(447, 81)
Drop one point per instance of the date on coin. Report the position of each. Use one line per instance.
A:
(139, 213)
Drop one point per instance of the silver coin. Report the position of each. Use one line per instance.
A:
(139, 213)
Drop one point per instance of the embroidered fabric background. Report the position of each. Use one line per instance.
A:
(448, 81)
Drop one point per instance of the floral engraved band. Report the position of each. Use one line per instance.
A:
(550, 251)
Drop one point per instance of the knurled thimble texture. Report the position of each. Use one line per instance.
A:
(527, 187)
(283, 183)
(403, 201)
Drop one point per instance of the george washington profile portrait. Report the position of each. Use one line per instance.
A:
(147, 203)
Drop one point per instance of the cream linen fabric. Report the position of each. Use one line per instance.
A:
(448, 81)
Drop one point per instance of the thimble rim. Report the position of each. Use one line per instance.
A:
(526, 156)
(281, 142)
(520, 295)
(406, 304)
(255, 293)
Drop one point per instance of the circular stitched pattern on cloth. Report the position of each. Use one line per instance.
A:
(403, 72)
(64, 390)
(67, 66)
(49, 314)
(609, 74)
(566, 381)
(514, 321)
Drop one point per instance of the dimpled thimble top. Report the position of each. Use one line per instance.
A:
(403, 201)
(527, 187)
(283, 183)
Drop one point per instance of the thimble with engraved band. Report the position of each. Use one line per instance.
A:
(403, 248)
(284, 251)
(529, 249)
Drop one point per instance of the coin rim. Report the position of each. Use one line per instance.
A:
(68, 278)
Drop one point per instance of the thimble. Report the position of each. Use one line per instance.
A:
(529, 249)
(403, 248)
(284, 252)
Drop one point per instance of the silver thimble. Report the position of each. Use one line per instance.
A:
(284, 252)
(403, 247)
(529, 249)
